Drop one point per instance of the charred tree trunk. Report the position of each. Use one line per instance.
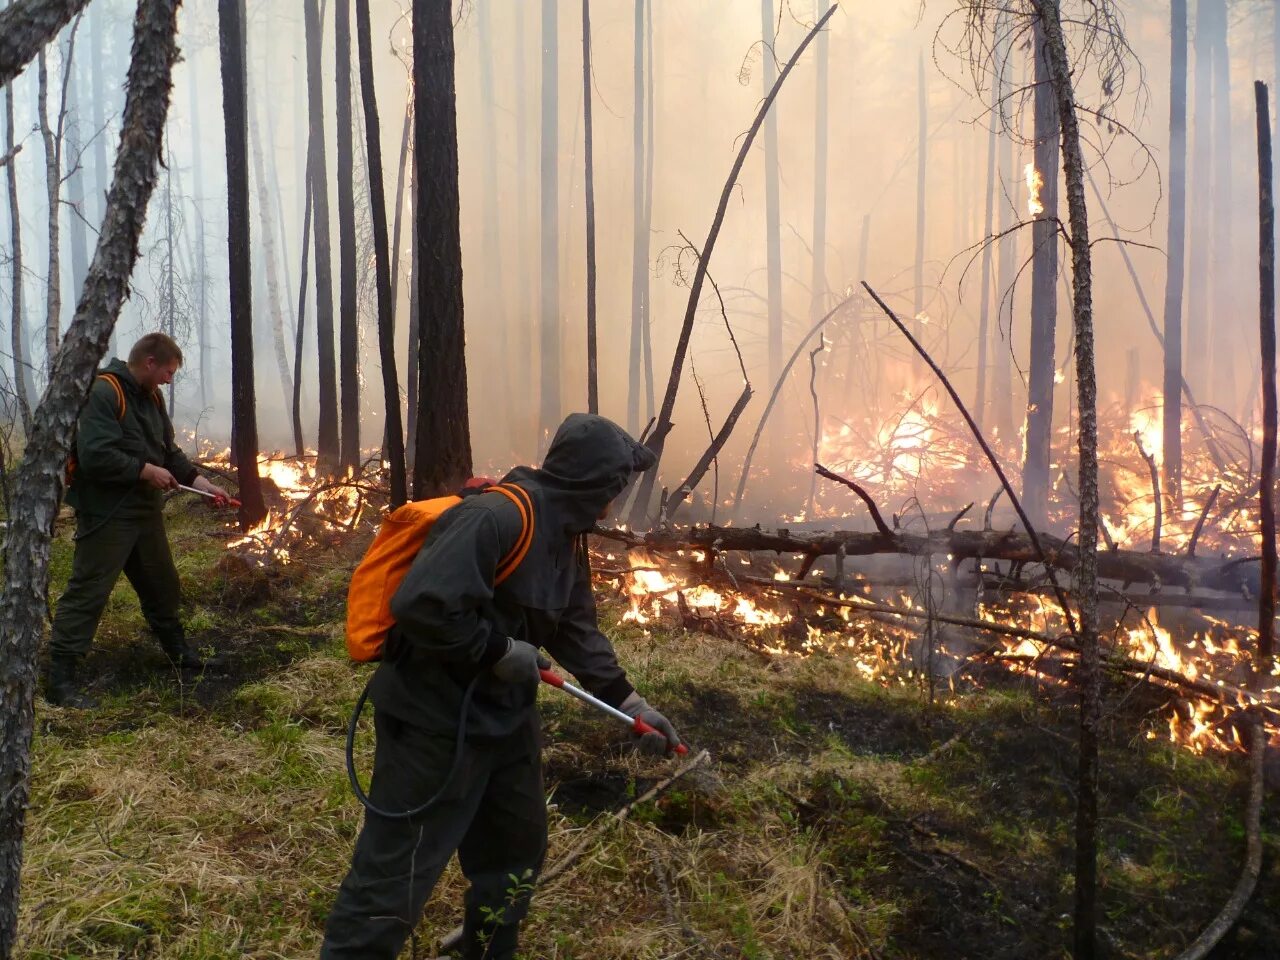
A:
(274, 292)
(17, 320)
(1225, 306)
(1058, 70)
(984, 308)
(39, 478)
(1176, 251)
(1264, 662)
(640, 229)
(550, 404)
(244, 425)
(26, 26)
(348, 315)
(1044, 295)
(651, 130)
(593, 397)
(1196, 325)
(772, 215)
(378, 200)
(300, 328)
(818, 286)
(53, 186)
(443, 457)
(1007, 269)
(327, 438)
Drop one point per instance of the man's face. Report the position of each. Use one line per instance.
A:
(155, 374)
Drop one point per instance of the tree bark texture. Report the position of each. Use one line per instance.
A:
(39, 478)
(1227, 326)
(381, 245)
(1175, 248)
(443, 456)
(26, 26)
(984, 308)
(1007, 266)
(658, 437)
(327, 437)
(550, 172)
(244, 423)
(348, 308)
(76, 125)
(1196, 327)
(1267, 337)
(772, 214)
(300, 329)
(593, 395)
(17, 319)
(1089, 676)
(53, 187)
(1044, 295)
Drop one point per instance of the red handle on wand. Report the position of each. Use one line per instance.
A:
(638, 726)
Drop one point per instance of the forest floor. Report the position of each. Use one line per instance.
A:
(837, 818)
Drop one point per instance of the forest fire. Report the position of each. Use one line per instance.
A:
(1035, 183)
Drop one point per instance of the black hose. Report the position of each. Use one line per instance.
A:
(444, 787)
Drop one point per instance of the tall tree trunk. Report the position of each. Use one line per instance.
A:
(17, 319)
(301, 326)
(327, 437)
(443, 457)
(593, 397)
(1223, 270)
(523, 395)
(497, 329)
(378, 202)
(411, 372)
(26, 26)
(270, 261)
(170, 264)
(398, 216)
(1054, 52)
(38, 486)
(101, 171)
(984, 309)
(197, 201)
(75, 181)
(772, 215)
(1264, 663)
(244, 424)
(922, 166)
(53, 186)
(1044, 295)
(651, 127)
(1172, 441)
(348, 309)
(818, 286)
(550, 171)
(639, 229)
(1196, 325)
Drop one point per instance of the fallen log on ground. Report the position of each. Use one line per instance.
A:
(1238, 576)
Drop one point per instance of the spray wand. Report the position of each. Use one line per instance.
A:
(638, 726)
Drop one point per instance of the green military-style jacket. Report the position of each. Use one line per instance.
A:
(111, 450)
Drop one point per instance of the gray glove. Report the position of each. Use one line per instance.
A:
(521, 662)
(653, 744)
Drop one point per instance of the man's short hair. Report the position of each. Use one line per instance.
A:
(159, 345)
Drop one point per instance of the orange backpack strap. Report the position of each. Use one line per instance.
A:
(517, 495)
(112, 379)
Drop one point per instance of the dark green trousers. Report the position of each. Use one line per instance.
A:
(138, 546)
(494, 815)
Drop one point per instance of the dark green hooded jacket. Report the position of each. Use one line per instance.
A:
(111, 451)
(452, 624)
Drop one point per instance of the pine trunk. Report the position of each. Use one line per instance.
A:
(1006, 272)
(593, 396)
(772, 213)
(818, 285)
(550, 171)
(348, 309)
(639, 230)
(244, 426)
(1196, 327)
(443, 456)
(1044, 295)
(53, 187)
(1176, 247)
(1089, 679)
(38, 485)
(301, 326)
(327, 437)
(381, 251)
(1226, 308)
(984, 308)
(25, 29)
(17, 320)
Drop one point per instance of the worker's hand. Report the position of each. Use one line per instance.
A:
(521, 663)
(220, 497)
(158, 477)
(655, 744)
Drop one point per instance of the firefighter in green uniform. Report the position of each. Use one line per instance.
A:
(124, 459)
(455, 702)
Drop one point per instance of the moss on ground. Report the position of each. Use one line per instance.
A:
(838, 818)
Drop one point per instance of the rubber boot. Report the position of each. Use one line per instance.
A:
(61, 687)
(183, 656)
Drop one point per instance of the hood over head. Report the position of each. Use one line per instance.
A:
(589, 462)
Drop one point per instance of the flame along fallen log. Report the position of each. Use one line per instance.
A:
(1238, 576)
